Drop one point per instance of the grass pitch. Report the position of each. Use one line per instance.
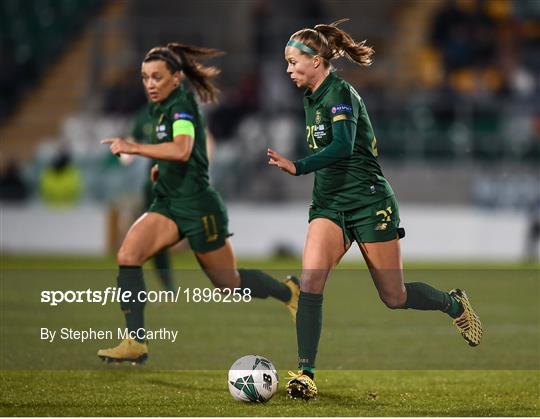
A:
(374, 361)
(137, 392)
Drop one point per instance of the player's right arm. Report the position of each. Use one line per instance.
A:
(341, 147)
(177, 150)
(342, 107)
(281, 162)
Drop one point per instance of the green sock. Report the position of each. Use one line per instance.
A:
(308, 328)
(130, 278)
(456, 309)
(263, 285)
(162, 263)
(421, 296)
(310, 372)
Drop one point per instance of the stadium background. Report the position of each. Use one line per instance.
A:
(454, 97)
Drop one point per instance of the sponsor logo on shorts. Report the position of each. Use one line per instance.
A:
(381, 227)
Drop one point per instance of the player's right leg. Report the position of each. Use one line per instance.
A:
(220, 267)
(323, 249)
(162, 259)
(162, 264)
(148, 235)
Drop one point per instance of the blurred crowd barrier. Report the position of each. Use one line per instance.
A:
(433, 232)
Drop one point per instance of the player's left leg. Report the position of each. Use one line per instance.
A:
(385, 265)
(220, 267)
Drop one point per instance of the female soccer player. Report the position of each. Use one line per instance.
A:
(142, 133)
(352, 201)
(185, 205)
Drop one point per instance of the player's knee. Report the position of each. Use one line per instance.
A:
(224, 279)
(313, 280)
(394, 301)
(128, 258)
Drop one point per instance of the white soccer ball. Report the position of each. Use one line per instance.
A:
(253, 378)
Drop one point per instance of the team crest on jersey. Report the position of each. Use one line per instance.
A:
(318, 117)
(342, 108)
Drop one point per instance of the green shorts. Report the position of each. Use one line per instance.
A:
(378, 222)
(202, 219)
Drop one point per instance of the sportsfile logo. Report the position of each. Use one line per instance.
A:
(117, 295)
(108, 295)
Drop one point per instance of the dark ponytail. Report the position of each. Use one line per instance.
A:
(180, 57)
(331, 43)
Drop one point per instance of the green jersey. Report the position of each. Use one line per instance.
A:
(143, 126)
(355, 179)
(180, 180)
(142, 130)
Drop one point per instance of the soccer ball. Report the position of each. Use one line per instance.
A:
(253, 378)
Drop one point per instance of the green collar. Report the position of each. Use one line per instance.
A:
(162, 106)
(314, 96)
